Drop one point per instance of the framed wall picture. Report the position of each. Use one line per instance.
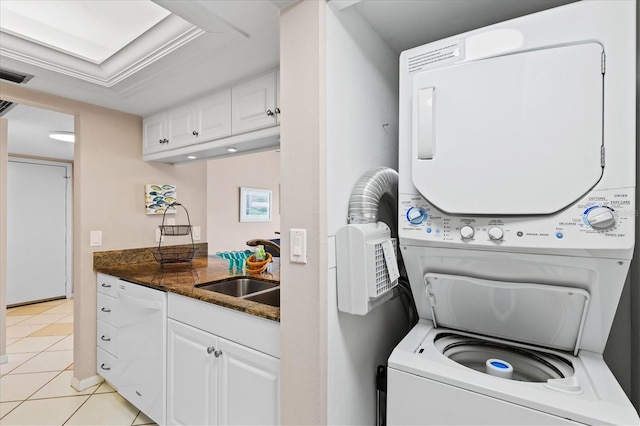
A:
(158, 196)
(255, 205)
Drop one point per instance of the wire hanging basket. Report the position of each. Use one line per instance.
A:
(175, 254)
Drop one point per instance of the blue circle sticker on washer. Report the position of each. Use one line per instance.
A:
(499, 364)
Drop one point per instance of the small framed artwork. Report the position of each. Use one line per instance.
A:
(255, 205)
(157, 197)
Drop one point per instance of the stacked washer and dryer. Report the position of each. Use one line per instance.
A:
(516, 204)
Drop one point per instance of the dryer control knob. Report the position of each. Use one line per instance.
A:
(495, 233)
(466, 232)
(601, 218)
(417, 215)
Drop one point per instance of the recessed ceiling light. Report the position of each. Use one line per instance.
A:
(232, 149)
(63, 136)
(192, 157)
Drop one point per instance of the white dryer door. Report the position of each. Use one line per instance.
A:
(518, 134)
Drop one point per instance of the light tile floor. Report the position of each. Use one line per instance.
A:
(35, 385)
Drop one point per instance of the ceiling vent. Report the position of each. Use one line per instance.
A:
(5, 106)
(14, 76)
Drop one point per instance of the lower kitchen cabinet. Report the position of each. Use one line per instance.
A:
(212, 380)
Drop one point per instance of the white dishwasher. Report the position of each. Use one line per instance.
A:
(142, 330)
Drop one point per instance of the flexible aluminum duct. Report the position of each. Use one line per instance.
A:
(367, 192)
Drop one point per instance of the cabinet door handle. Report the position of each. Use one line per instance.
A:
(210, 350)
(105, 338)
(195, 133)
(105, 368)
(105, 310)
(277, 110)
(106, 285)
(217, 353)
(269, 113)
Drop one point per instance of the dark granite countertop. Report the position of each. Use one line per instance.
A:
(182, 279)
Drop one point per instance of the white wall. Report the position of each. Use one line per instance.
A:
(225, 176)
(362, 123)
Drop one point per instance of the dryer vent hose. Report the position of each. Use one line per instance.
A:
(367, 192)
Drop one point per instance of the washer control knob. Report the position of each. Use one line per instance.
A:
(417, 215)
(466, 232)
(495, 233)
(601, 218)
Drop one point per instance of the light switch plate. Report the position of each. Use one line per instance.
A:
(95, 239)
(298, 245)
(158, 235)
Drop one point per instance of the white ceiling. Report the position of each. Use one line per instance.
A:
(218, 43)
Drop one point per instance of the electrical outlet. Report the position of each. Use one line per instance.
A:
(196, 233)
(157, 235)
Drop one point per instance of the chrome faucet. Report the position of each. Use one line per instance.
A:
(257, 242)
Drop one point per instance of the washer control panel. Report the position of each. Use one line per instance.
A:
(602, 219)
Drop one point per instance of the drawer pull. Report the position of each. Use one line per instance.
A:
(105, 338)
(106, 285)
(105, 310)
(105, 368)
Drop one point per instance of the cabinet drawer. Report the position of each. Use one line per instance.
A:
(107, 284)
(105, 308)
(107, 337)
(107, 366)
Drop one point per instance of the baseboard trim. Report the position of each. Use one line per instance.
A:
(4, 359)
(83, 384)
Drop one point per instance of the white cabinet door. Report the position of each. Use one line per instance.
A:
(249, 386)
(182, 126)
(191, 376)
(213, 114)
(278, 111)
(254, 104)
(154, 133)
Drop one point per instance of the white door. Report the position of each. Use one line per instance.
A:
(518, 134)
(154, 133)
(38, 230)
(191, 376)
(249, 386)
(214, 115)
(254, 104)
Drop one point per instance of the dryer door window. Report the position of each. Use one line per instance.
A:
(518, 134)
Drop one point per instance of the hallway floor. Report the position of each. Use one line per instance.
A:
(35, 385)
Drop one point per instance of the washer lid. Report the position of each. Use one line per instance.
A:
(540, 314)
(519, 134)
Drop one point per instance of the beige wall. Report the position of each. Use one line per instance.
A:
(225, 176)
(108, 195)
(304, 193)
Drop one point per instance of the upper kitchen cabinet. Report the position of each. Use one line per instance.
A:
(206, 119)
(243, 119)
(154, 133)
(254, 104)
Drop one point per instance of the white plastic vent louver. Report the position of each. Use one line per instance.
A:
(367, 272)
(383, 282)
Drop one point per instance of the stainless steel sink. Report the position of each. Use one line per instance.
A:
(238, 287)
(268, 297)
